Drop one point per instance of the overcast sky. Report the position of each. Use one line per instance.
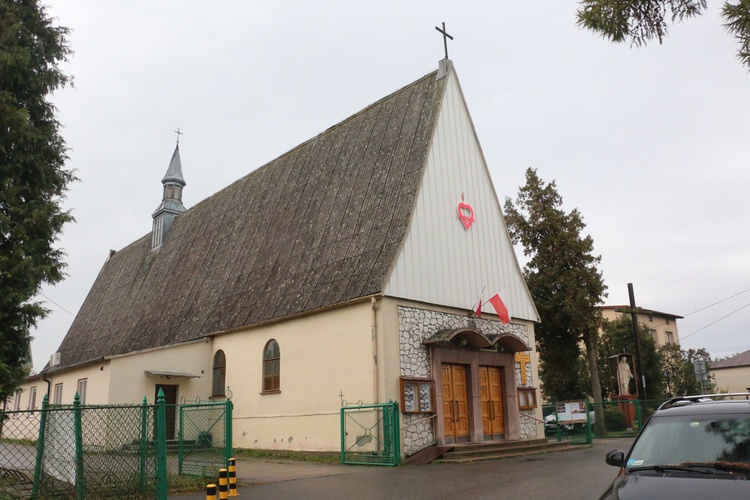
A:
(650, 144)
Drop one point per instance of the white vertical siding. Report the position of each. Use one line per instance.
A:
(442, 262)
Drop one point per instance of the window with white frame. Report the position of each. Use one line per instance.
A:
(32, 398)
(57, 398)
(17, 400)
(82, 383)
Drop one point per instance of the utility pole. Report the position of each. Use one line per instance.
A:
(640, 384)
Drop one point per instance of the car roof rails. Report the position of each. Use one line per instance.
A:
(700, 398)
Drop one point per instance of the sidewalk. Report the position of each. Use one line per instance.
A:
(257, 471)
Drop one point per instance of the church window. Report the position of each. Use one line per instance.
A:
(58, 394)
(220, 374)
(271, 367)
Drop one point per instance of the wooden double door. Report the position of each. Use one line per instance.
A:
(456, 414)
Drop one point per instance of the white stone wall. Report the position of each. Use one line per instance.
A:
(528, 424)
(414, 325)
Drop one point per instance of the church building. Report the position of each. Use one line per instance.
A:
(371, 263)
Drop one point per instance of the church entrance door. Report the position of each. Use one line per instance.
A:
(491, 392)
(455, 403)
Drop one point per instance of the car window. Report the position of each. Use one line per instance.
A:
(679, 440)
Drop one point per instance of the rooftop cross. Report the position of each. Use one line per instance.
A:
(446, 36)
(178, 135)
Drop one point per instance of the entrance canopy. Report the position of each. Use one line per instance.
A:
(471, 337)
(159, 373)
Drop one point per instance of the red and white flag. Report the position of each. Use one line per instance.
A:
(501, 308)
(477, 307)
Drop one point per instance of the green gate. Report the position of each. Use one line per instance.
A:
(205, 439)
(370, 434)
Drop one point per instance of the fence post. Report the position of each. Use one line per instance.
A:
(180, 443)
(343, 437)
(144, 445)
(78, 426)
(397, 433)
(161, 444)
(40, 448)
(228, 452)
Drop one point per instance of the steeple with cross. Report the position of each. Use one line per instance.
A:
(446, 36)
(171, 204)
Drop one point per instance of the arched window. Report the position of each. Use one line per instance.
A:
(220, 374)
(271, 367)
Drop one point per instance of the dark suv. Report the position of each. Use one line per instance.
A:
(691, 447)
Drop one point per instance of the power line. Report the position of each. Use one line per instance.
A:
(714, 322)
(58, 305)
(719, 302)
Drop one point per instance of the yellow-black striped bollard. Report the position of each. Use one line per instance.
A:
(223, 490)
(233, 478)
(210, 492)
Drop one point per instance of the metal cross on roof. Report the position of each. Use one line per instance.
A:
(446, 36)
(178, 135)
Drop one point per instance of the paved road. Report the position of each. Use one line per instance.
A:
(575, 474)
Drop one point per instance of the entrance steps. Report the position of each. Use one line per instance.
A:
(473, 452)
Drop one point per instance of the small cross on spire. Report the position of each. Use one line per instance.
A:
(446, 36)
(178, 135)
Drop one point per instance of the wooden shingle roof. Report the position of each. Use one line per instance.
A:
(318, 226)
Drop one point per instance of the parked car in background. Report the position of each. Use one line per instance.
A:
(691, 447)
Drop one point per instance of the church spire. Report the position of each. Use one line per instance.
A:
(171, 204)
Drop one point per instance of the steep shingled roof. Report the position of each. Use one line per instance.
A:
(320, 225)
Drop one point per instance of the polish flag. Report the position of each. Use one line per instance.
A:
(477, 307)
(499, 306)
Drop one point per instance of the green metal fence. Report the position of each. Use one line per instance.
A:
(205, 438)
(370, 434)
(117, 451)
(623, 418)
(562, 431)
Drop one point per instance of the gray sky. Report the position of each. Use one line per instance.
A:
(650, 144)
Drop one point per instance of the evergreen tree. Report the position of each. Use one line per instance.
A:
(565, 284)
(641, 21)
(33, 178)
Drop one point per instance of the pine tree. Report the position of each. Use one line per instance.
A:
(641, 21)
(565, 284)
(33, 177)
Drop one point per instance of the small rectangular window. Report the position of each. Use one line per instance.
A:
(57, 399)
(17, 401)
(526, 398)
(32, 398)
(82, 383)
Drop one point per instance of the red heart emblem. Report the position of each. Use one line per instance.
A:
(466, 214)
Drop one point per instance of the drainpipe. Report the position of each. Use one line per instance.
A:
(374, 333)
(49, 385)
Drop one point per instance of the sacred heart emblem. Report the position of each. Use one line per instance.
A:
(466, 214)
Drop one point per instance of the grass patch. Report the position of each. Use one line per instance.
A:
(296, 456)
(23, 441)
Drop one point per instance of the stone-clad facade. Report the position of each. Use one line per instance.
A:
(416, 325)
